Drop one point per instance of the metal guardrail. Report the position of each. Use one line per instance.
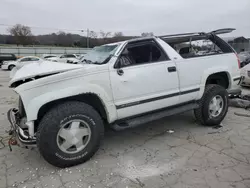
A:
(38, 51)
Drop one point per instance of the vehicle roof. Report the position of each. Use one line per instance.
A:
(130, 40)
(183, 37)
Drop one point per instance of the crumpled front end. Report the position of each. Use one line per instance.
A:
(20, 129)
(34, 71)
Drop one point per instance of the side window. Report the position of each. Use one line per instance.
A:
(71, 55)
(34, 59)
(63, 56)
(141, 53)
(25, 59)
(197, 48)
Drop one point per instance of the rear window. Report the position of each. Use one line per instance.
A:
(197, 48)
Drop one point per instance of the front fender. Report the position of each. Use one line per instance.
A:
(209, 72)
(33, 106)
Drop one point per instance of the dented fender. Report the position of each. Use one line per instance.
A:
(33, 104)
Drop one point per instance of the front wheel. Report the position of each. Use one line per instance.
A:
(213, 106)
(69, 134)
(11, 67)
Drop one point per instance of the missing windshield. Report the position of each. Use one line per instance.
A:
(100, 54)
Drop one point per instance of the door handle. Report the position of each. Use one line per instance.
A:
(171, 69)
(120, 72)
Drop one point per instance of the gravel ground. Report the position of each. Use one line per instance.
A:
(173, 152)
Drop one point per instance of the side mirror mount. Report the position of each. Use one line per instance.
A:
(125, 52)
(118, 64)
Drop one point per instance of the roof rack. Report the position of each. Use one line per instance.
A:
(223, 31)
(180, 35)
(217, 32)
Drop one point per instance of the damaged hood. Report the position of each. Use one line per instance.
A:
(41, 69)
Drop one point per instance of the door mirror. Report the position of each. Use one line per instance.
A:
(118, 64)
(120, 72)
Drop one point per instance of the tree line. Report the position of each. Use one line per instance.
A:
(22, 35)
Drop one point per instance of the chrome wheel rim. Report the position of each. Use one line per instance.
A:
(73, 136)
(216, 106)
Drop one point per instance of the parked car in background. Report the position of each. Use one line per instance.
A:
(9, 65)
(62, 58)
(245, 62)
(76, 60)
(7, 57)
(245, 74)
(244, 57)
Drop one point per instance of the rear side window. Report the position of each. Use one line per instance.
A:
(197, 48)
(209, 45)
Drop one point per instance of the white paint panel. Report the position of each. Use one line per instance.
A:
(193, 72)
(142, 82)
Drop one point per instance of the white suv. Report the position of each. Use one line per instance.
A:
(63, 107)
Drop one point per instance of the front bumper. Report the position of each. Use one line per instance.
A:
(16, 131)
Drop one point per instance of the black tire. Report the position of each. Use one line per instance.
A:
(50, 125)
(11, 67)
(202, 113)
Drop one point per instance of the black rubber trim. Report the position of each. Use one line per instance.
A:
(158, 110)
(236, 79)
(156, 98)
(189, 91)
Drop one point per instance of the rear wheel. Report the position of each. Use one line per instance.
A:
(213, 106)
(69, 134)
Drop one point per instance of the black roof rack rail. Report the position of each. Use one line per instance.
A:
(180, 35)
(223, 31)
(219, 31)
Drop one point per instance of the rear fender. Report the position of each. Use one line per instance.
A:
(209, 72)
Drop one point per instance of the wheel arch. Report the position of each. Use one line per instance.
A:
(219, 78)
(89, 98)
(214, 72)
(11, 65)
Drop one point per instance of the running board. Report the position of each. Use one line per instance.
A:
(152, 116)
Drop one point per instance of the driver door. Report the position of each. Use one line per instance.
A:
(141, 81)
